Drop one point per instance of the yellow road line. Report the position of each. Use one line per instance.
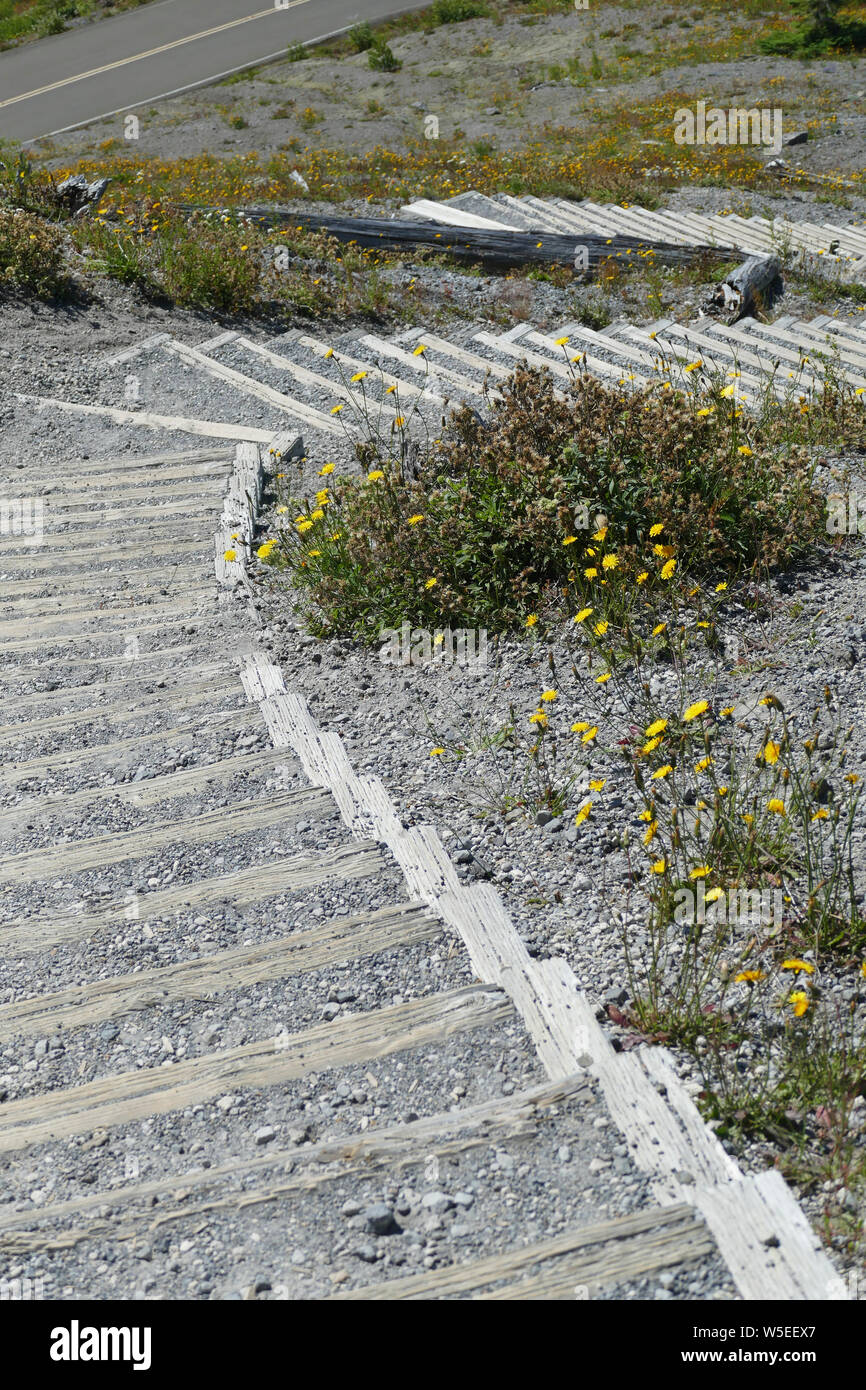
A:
(163, 48)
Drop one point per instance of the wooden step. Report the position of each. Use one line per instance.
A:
(101, 851)
(175, 697)
(362, 364)
(329, 388)
(241, 888)
(583, 1260)
(215, 429)
(135, 1095)
(146, 792)
(53, 624)
(344, 938)
(293, 1172)
(97, 753)
(248, 386)
(435, 371)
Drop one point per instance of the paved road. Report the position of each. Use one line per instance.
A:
(163, 48)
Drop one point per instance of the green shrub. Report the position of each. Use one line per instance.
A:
(823, 29)
(382, 59)
(494, 525)
(361, 37)
(211, 266)
(31, 254)
(453, 11)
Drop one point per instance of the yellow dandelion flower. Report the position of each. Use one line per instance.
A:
(668, 568)
(749, 977)
(532, 620)
(583, 813)
(582, 615)
(549, 695)
(431, 583)
(435, 752)
(701, 871)
(799, 967)
(597, 786)
(658, 867)
(414, 520)
(658, 726)
(230, 555)
(799, 1001)
(376, 476)
(610, 562)
(699, 707)
(642, 577)
(661, 772)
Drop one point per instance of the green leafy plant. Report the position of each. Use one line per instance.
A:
(382, 58)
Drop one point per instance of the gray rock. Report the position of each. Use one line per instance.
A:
(265, 1134)
(436, 1202)
(380, 1220)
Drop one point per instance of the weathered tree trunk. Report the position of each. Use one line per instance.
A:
(506, 248)
(753, 286)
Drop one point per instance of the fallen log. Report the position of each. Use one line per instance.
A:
(751, 288)
(502, 248)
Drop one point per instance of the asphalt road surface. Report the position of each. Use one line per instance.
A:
(163, 48)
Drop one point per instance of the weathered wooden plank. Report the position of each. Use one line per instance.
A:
(95, 753)
(592, 1255)
(331, 1160)
(99, 851)
(85, 1005)
(241, 888)
(216, 429)
(248, 385)
(360, 364)
(497, 246)
(135, 1095)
